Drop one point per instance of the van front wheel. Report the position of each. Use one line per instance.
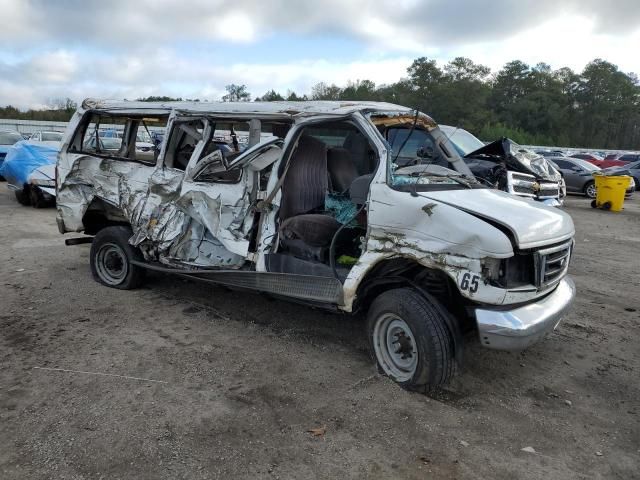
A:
(111, 256)
(410, 339)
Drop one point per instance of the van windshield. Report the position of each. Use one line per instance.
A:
(426, 160)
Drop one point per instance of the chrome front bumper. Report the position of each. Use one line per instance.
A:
(521, 327)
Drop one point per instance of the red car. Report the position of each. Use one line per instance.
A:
(589, 157)
(611, 160)
(619, 159)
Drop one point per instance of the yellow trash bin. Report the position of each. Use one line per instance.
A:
(610, 190)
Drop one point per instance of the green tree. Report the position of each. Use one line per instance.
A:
(270, 96)
(463, 94)
(159, 98)
(359, 90)
(322, 91)
(294, 97)
(236, 93)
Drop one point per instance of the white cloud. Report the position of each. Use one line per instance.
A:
(58, 75)
(566, 40)
(119, 48)
(408, 22)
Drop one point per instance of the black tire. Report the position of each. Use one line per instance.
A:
(36, 198)
(637, 182)
(23, 197)
(111, 256)
(433, 342)
(587, 189)
(594, 204)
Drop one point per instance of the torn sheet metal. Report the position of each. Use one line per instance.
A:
(173, 219)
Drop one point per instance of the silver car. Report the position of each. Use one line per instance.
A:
(578, 175)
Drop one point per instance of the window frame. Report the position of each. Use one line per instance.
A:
(127, 151)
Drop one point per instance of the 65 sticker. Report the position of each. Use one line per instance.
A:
(470, 282)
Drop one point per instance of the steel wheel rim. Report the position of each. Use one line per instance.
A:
(395, 347)
(111, 264)
(591, 191)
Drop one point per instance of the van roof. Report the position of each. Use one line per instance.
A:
(250, 108)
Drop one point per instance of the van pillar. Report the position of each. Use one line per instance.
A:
(255, 128)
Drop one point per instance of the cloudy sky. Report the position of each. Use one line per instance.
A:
(192, 48)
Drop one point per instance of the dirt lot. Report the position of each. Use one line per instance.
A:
(241, 378)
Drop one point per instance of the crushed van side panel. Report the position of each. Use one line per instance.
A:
(167, 226)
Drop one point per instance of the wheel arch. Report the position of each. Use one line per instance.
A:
(399, 272)
(432, 283)
(101, 214)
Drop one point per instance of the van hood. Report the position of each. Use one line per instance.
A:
(531, 223)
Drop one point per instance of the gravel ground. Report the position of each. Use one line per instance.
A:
(198, 382)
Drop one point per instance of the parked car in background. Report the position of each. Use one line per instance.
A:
(611, 160)
(29, 169)
(589, 157)
(320, 212)
(104, 144)
(508, 166)
(578, 174)
(550, 153)
(629, 157)
(618, 159)
(145, 147)
(46, 136)
(7, 139)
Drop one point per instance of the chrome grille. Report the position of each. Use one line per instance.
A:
(523, 189)
(551, 264)
(523, 176)
(526, 185)
(549, 190)
(521, 184)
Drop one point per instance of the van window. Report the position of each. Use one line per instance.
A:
(117, 137)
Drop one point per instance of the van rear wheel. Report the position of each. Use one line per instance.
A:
(111, 256)
(410, 339)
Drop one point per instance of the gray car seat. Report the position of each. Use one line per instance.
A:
(360, 150)
(342, 169)
(305, 186)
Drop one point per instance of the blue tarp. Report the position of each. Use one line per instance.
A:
(23, 158)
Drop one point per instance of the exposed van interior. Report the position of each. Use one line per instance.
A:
(320, 225)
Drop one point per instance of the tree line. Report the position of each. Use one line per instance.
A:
(535, 105)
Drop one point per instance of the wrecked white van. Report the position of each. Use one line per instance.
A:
(315, 209)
